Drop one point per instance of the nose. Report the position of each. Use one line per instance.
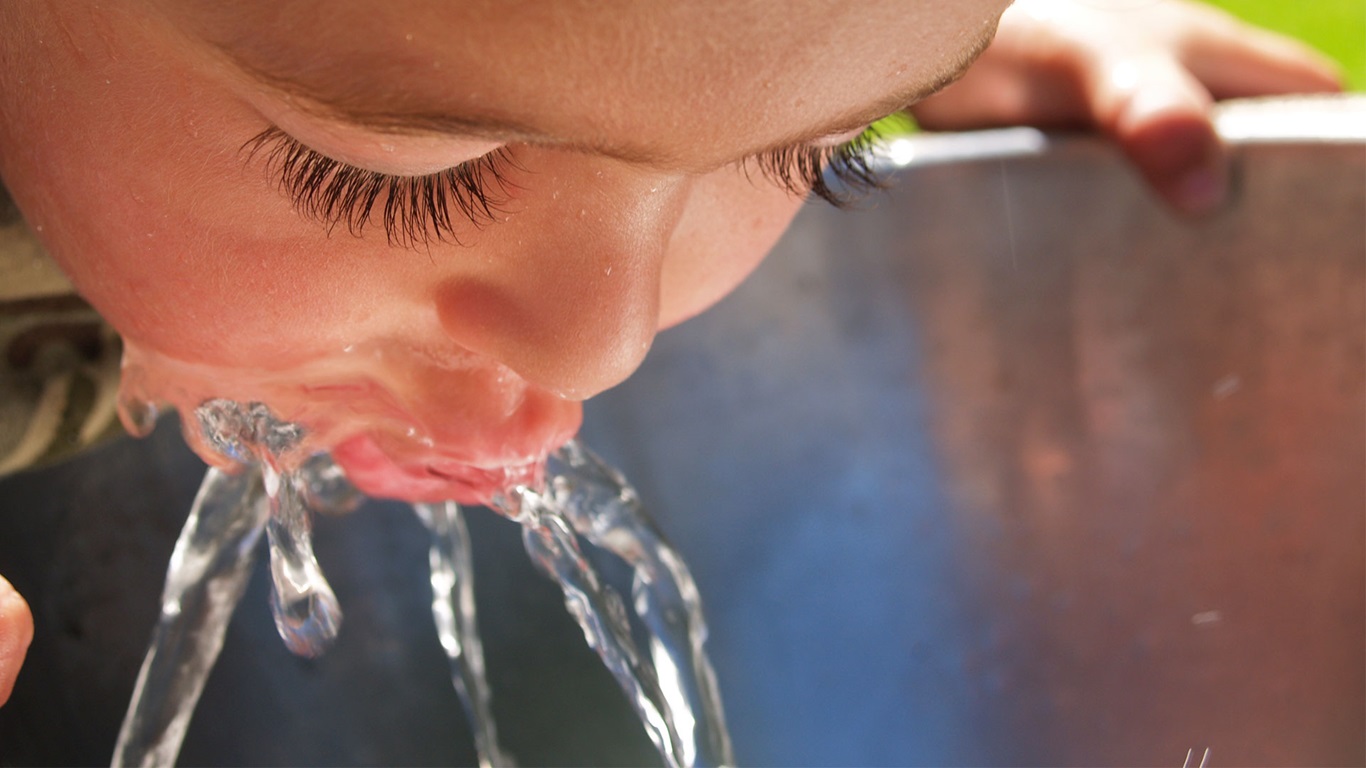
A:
(568, 294)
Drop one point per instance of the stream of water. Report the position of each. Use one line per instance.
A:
(453, 612)
(672, 686)
(670, 682)
(205, 579)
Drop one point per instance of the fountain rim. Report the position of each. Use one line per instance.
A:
(1338, 119)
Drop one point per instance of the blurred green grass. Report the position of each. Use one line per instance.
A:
(1335, 27)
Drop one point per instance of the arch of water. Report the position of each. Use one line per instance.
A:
(669, 682)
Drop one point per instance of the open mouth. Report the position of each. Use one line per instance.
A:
(398, 425)
(431, 477)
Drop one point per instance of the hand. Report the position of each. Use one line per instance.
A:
(16, 632)
(1145, 72)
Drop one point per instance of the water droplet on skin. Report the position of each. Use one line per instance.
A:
(139, 417)
(387, 147)
(246, 433)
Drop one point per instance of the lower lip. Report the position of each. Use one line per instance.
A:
(372, 471)
(399, 426)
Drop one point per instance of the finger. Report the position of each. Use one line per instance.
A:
(16, 632)
(1236, 60)
(1159, 114)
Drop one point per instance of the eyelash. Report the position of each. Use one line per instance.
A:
(805, 170)
(417, 209)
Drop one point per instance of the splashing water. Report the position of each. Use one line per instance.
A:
(671, 686)
(305, 609)
(675, 693)
(210, 566)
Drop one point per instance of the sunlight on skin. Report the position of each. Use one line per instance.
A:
(626, 209)
(432, 370)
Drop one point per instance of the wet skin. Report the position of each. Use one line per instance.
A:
(427, 369)
(626, 208)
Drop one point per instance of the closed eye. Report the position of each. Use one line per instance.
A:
(418, 210)
(806, 169)
(414, 210)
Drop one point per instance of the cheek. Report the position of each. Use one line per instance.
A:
(191, 265)
(133, 170)
(727, 228)
(126, 166)
(130, 167)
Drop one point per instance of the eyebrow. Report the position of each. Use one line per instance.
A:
(346, 108)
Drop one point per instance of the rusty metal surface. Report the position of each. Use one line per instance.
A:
(1009, 468)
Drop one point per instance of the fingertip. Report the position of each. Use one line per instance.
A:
(1169, 136)
(1200, 191)
(16, 632)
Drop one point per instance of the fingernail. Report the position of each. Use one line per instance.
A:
(1201, 191)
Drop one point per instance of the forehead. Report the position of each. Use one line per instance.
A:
(671, 77)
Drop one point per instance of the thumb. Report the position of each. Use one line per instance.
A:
(16, 632)
(1159, 114)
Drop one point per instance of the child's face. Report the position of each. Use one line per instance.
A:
(626, 205)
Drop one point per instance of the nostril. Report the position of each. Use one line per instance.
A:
(574, 338)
